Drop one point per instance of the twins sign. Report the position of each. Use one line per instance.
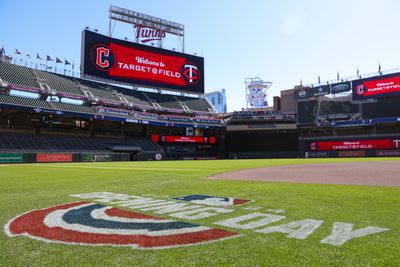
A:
(141, 65)
(100, 222)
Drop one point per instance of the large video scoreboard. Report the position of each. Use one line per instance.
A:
(376, 87)
(141, 65)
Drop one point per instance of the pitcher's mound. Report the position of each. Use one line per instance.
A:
(380, 173)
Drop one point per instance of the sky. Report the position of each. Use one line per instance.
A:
(278, 41)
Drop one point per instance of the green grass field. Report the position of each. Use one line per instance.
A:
(38, 186)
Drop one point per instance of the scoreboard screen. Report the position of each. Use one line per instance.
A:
(141, 65)
(183, 139)
(376, 87)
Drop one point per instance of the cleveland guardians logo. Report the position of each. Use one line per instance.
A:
(313, 146)
(360, 89)
(86, 223)
(190, 73)
(102, 57)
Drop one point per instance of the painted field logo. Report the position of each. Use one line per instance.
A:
(86, 223)
(213, 201)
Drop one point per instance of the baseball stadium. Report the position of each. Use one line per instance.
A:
(121, 159)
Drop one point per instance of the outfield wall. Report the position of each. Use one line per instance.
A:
(61, 157)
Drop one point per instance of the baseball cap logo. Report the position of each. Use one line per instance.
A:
(190, 73)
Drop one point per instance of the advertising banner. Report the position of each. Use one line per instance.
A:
(350, 154)
(320, 90)
(340, 87)
(139, 64)
(388, 153)
(302, 93)
(376, 87)
(11, 158)
(317, 154)
(183, 139)
(44, 157)
(355, 145)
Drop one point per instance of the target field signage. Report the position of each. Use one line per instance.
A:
(141, 65)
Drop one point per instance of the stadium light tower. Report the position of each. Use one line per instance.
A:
(256, 92)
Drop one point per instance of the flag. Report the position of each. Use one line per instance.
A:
(16, 51)
(28, 55)
(2, 52)
(337, 75)
(58, 60)
(358, 71)
(38, 57)
(73, 65)
(319, 79)
(66, 62)
(49, 58)
(379, 68)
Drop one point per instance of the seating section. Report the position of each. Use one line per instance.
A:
(27, 102)
(143, 142)
(137, 100)
(73, 108)
(166, 101)
(196, 104)
(49, 143)
(99, 90)
(134, 96)
(60, 83)
(17, 75)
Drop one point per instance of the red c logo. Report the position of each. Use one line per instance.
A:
(102, 57)
(101, 53)
(313, 146)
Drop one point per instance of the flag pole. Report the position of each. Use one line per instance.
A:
(2, 53)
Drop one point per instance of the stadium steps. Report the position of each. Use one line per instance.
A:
(99, 90)
(60, 83)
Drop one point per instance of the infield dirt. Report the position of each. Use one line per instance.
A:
(382, 173)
